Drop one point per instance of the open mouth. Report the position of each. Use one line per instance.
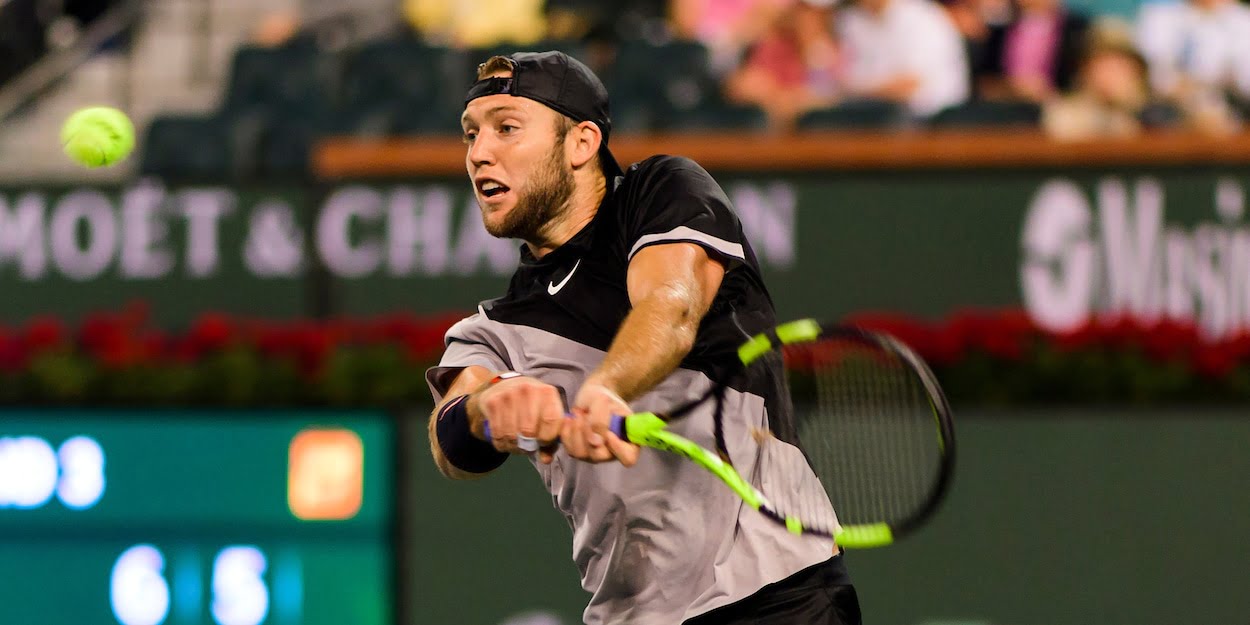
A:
(491, 189)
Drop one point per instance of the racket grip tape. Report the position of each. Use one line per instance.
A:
(617, 426)
(524, 443)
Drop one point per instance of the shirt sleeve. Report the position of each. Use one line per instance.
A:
(1159, 38)
(935, 53)
(675, 201)
(469, 342)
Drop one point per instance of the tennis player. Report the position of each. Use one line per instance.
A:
(633, 292)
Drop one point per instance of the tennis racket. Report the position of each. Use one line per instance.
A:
(873, 425)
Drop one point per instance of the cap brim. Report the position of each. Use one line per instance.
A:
(611, 168)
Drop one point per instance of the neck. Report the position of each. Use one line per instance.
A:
(581, 208)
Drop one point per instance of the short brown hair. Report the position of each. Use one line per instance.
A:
(494, 65)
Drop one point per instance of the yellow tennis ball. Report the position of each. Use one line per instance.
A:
(98, 136)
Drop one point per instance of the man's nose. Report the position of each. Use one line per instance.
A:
(481, 151)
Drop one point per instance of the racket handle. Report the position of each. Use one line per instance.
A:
(523, 442)
(617, 426)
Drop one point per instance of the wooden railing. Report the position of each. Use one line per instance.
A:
(811, 151)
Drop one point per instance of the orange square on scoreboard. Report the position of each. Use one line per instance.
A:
(326, 474)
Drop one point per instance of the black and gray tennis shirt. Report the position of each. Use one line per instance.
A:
(662, 541)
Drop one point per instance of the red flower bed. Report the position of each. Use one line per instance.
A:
(981, 357)
(120, 358)
(1002, 357)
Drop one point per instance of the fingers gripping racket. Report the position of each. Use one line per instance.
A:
(873, 425)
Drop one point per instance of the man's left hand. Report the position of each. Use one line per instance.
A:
(586, 436)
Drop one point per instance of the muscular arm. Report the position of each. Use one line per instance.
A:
(671, 287)
(467, 381)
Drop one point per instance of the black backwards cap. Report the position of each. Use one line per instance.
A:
(562, 83)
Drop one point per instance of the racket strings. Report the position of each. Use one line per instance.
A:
(866, 426)
(793, 488)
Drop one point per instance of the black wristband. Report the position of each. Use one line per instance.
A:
(463, 450)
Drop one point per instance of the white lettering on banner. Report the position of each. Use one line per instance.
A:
(398, 232)
(1134, 264)
(1130, 243)
(419, 220)
(1057, 273)
(274, 247)
(204, 209)
(334, 232)
(768, 220)
(94, 211)
(143, 233)
(21, 235)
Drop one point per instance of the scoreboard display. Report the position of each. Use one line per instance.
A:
(195, 518)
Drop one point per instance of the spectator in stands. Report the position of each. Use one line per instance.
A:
(905, 51)
(1110, 95)
(477, 23)
(1036, 55)
(725, 27)
(975, 20)
(276, 29)
(1198, 51)
(795, 67)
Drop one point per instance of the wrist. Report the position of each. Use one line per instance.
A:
(459, 445)
(473, 408)
(602, 381)
(605, 384)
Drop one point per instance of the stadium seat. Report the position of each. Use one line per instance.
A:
(284, 148)
(404, 86)
(296, 79)
(716, 114)
(669, 85)
(1163, 115)
(867, 114)
(165, 152)
(988, 114)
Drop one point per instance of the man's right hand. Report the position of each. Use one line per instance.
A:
(518, 406)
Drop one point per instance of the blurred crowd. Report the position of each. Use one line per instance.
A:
(1183, 63)
(1171, 64)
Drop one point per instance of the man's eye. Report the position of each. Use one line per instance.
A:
(469, 137)
(506, 128)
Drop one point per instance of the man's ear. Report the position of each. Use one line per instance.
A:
(583, 143)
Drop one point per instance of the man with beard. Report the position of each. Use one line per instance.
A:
(634, 290)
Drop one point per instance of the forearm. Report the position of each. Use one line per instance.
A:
(654, 338)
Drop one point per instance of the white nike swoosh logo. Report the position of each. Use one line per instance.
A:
(553, 288)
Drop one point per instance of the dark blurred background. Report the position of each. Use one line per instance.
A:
(1045, 198)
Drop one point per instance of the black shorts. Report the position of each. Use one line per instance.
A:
(821, 594)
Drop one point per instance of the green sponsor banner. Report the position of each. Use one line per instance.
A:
(1067, 246)
(1068, 517)
(71, 251)
(241, 518)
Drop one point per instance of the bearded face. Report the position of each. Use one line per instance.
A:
(542, 199)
